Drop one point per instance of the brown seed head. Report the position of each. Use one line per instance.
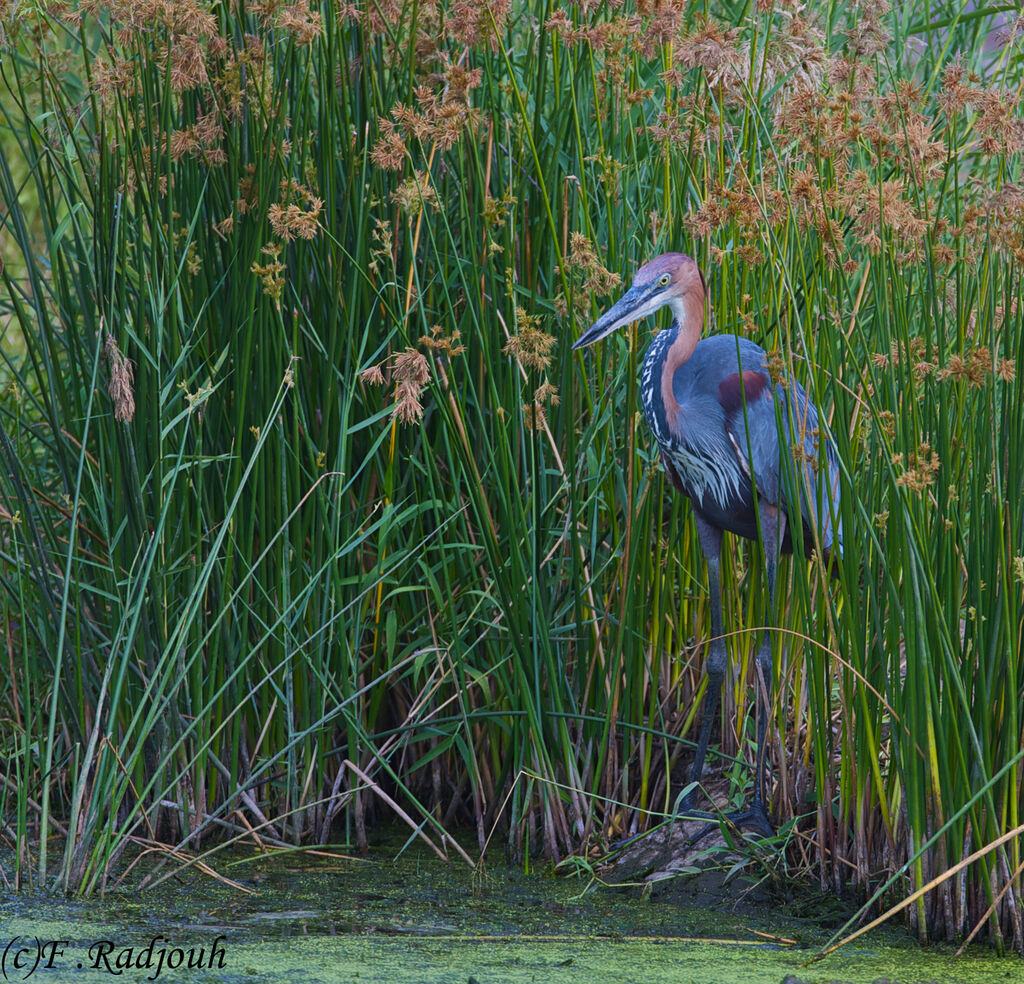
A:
(122, 381)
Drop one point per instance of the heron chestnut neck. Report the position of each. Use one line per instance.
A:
(687, 325)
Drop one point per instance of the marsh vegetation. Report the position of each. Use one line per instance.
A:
(309, 517)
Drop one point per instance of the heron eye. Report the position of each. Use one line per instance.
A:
(665, 278)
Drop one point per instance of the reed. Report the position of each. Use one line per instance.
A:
(310, 517)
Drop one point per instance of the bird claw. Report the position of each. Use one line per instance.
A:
(754, 817)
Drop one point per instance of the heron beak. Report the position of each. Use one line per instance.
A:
(633, 305)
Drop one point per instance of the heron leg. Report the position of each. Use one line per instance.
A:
(711, 544)
(773, 528)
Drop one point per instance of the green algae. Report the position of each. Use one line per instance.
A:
(510, 959)
(415, 919)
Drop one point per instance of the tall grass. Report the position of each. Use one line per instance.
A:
(310, 515)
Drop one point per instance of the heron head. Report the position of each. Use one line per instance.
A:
(670, 279)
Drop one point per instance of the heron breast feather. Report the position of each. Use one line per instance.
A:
(706, 465)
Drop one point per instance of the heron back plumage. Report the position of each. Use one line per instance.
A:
(721, 436)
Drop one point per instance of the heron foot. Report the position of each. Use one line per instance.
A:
(753, 817)
(686, 804)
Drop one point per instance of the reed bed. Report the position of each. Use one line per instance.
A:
(311, 519)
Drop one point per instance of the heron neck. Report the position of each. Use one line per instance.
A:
(687, 321)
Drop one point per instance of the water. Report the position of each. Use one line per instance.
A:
(414, 919)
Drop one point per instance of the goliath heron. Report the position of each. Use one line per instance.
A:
(717, 416)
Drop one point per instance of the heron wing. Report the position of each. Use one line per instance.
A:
(784, 475)
(747, 398)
